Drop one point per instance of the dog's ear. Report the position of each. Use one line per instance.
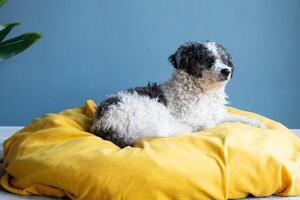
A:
(176, 58)
(173, 60)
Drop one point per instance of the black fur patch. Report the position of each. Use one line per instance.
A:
(193, 58)
(152, 90)
(112, 136)
(104, 106)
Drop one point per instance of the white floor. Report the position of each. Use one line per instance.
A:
(6, 131)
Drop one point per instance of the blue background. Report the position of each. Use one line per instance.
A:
(94, 48)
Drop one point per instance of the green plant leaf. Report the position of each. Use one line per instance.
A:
(5, 29)
(18, 44)
(2, 2)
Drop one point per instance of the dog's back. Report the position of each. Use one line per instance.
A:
(133, 114)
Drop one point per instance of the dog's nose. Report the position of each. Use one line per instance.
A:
(225, 72)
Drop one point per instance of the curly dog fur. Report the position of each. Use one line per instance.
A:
(192, 99)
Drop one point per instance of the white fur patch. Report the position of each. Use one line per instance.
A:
(194, 102)
(213, 48)
(139, 116)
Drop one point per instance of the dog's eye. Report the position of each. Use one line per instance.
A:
(209, 61)
(209, 66)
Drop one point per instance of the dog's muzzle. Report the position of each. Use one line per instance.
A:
(225, 72)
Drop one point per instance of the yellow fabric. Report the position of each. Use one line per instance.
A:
(56, 156)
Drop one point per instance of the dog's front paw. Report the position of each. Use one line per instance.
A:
(257, 124)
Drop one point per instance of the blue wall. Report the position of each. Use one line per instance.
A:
(94, 48)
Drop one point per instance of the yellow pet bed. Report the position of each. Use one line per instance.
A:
(56, 156)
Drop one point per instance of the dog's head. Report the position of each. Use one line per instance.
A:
(208, 61)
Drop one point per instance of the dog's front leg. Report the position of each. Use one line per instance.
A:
(243, 119)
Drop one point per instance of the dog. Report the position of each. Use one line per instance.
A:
(192, 100)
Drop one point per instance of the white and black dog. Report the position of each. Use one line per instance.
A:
(192, 99)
